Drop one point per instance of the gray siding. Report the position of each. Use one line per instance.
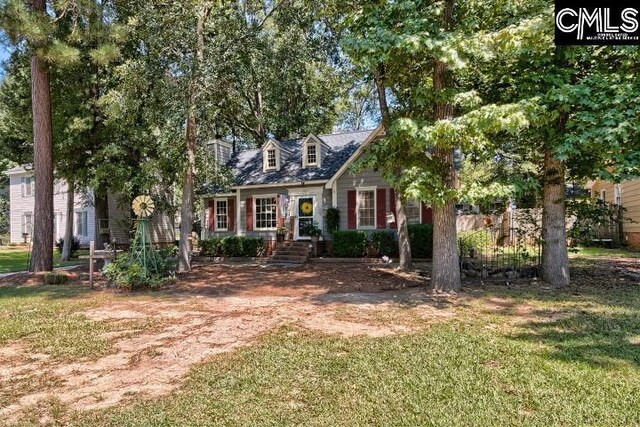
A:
(348, 181)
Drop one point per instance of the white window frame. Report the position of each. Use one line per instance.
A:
(81, 231)
(30, 186)
(24, 223)
(603, 195)
(419, 211)
(375, 207)
(617, 194)
(226, 214)
(255, 212)
(270, 146)
(316, 147)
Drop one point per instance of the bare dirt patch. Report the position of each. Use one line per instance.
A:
(214, 309)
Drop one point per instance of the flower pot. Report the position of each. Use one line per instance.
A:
(315, 239)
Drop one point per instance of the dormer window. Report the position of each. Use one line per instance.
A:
(271, 159)
(312, 154)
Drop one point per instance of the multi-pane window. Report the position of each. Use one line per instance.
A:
(221, 215)
(28, 184)
(27, 223)
(271, 159)
(312, 154)
(81, 223)
(366, 209)
(412, 210)
(265, 213)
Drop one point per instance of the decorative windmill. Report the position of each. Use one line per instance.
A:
(142, 251)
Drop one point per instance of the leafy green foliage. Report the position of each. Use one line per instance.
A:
(592, 215)
(127, 274)
(332, 217)
(384, 242)
(232, 246)
(311, 229)
(75, 245)
(349, 243)
(4, 214)
(421, 240)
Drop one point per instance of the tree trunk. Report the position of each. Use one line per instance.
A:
(101, 202)
(445, 275)
(555, 261)
(68, 232)
(186, 210)
(404, 248)
(42, 256)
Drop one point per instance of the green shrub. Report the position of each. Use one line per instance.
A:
(211, 247)
(333, 220)
(477, 240)
(55, 278)
(253, 246)
(349, 244)
(233, 246)
(384, 242)
(127, 275)
(421, 240)
(75, 245)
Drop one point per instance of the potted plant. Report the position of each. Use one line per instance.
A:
(312, 230)
(281, 232)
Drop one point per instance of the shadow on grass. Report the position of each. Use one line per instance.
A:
(597, 338)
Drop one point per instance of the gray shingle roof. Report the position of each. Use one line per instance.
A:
(247, 165)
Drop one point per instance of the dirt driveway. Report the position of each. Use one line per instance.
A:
(217, 309)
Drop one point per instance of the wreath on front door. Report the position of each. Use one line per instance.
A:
(306, 208)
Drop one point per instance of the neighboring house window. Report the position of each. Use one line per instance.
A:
(81, 223)
(412, 210)
(617, 194)
(603, 195)
(27, 223)
(312, 154)
(28, 184)
(56, 187)
(221, 215)
(265, 216)
(271, 158)
(366, 203)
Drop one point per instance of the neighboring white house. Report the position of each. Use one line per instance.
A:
(21, 202)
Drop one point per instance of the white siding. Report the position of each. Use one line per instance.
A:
(20, 204)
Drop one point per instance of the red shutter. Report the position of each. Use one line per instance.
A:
(212, 215)
(381, 208)
(249, 213)
(351, 209)
(427, 214)
(279, 217)
(231, 214)
(392, 201)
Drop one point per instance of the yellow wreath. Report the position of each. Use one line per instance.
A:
(306, 208)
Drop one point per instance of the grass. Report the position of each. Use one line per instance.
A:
(46, 320)
(572, 359)
(600, 252)
(15, 259)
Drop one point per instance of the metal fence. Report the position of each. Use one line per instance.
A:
(509, 249)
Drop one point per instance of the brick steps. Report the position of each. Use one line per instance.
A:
(290, 253)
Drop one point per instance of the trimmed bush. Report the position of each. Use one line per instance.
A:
(75, 245)
(55, 278)
(384, 242)
(421, 240)
(349, 244)
(211, 247)
(233, 246)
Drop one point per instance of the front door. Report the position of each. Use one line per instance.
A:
(305, 215)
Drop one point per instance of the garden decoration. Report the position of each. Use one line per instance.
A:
(142, 252)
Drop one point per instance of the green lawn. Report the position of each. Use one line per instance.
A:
(15, 259)
(571, 359)
(604, 252)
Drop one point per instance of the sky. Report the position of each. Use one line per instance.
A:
(4, 54)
